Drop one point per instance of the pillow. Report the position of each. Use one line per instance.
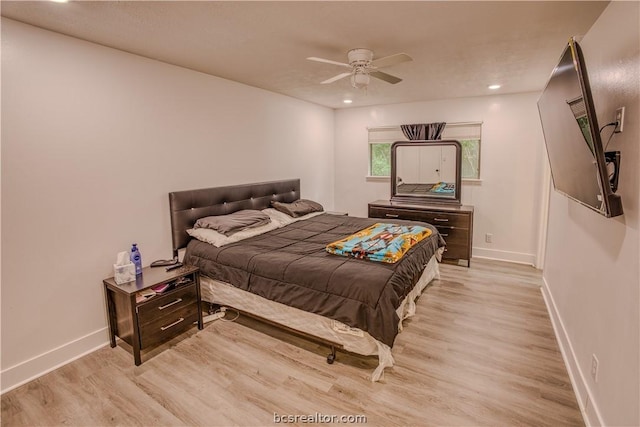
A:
(279, 218)
(234, 222)
(210, 236)
(298, 208)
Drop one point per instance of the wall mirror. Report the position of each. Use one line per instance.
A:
(426, 171)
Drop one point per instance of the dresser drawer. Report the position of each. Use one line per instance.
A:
(454, 236)
(391, 213)
(160, 305)
(432, 217)
(457, 240)
(448, 219)
(456, 251)
(164, 327)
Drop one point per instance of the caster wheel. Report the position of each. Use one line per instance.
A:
(331, 358)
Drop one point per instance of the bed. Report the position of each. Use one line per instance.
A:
(286, 277)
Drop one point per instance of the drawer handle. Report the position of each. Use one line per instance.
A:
(444, 235)
(162, 307)
(441, 219)
(164, 328)
(391, 215)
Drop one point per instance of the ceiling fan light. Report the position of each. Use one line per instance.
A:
(359, 80)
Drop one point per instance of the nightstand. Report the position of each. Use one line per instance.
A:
(145, 322)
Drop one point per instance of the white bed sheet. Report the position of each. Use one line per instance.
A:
(352, 339)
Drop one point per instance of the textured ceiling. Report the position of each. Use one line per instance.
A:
(458, 47)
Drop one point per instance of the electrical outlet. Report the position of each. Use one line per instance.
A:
(488, 237)
(594, 367)
(619, 119)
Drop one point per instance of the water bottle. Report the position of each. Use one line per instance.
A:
(136, 258)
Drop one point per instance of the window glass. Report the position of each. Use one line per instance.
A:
(380, 140)
(470, 158)
(380, 155)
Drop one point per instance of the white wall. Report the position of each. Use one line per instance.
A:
(93, 139)
(507, 200)
(592, 277)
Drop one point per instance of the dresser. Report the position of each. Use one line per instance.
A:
(455, 224)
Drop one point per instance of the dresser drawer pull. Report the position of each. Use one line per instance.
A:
(164, 328)
(444, 235)
(391, 215)
(177, 300)
(441, 219)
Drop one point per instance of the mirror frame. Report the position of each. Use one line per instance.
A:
(424, 199)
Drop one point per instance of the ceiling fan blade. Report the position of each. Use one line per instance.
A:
(386, 77)
(335, 78)
(390, 60)
(328, 61)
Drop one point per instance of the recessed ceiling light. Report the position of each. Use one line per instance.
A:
(60, 1)
(494, 87)
(347, 101)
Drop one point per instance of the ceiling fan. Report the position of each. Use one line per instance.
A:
(363, 65)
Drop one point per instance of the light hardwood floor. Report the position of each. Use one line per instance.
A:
(480, 351)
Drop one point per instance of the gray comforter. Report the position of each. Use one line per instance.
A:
(290, 265)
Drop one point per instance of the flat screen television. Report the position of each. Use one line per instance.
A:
(576, 156)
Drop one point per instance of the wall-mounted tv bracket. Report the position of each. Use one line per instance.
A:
(612, 160)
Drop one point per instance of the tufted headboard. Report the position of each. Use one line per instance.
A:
(186, 207)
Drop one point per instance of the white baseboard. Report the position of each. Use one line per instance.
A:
(35, 367)
(518, 257)
(588, 406)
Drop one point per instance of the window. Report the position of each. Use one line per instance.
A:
(380, 159)
(380, 140)
(469, 136)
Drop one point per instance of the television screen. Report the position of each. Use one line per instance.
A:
(572, 138)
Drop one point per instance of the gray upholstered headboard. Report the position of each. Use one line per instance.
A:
(186, 207)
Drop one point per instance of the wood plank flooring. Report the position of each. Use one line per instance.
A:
(480, 351)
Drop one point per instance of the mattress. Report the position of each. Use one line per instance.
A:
(353, 340)
(290, 266)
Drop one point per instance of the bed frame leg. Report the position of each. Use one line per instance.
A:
(332, 356)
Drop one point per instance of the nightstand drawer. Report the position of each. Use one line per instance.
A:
(159, 305)
(167, 326)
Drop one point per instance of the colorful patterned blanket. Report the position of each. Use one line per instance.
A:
(380, 242)
(443, 187)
